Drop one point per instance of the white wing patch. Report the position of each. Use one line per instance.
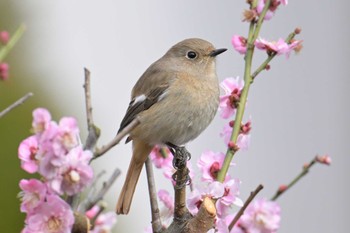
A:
(139, 98)
(162, 96)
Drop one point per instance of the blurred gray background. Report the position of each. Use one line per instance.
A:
(299, 108)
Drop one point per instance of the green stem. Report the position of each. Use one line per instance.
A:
(13, 40)
(295, 180)
(270, 57)
(252, 35)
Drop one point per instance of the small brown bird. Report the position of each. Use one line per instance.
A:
(175, 100)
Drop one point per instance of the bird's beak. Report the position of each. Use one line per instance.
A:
(216, 52)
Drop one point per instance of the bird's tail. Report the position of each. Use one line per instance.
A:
(140, 154)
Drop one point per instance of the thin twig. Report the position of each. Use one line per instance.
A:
(88, 104)
(156, 221)
(117, 139)
(15, 104)
(106, 186)
(246, 203)
(94, 131)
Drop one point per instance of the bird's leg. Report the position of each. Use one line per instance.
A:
(181, 155)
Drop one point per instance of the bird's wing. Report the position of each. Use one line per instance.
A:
(137, 106)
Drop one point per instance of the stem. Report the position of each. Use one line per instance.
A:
(13, 40)
(252, 35)
(246, 203)
(15, 104)
(156, 222)
(270, 57)
(295, 180)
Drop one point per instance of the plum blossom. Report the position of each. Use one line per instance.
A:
(27, 151)
(74, 174)
(243, 139)
(325, 159)
(273, 7)
(160, 156)
(229, 101)
(32, 195)
(214, 190)
(229, 198)
(104, 223)
(261, 216)
(41, 120)
(52, 216)
(210, 164)
(279, 47)
(66, 137)
(168, 202)
(239, 44)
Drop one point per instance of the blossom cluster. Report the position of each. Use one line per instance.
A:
(4, 67)
(55, 152)
(278, 47)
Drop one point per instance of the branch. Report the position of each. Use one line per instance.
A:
(15, 104)
(13, 40)
(205, 218)
(94, 131)
(305, 170)
(246, 203)
(117, 139)
(106, 186)
(156, 221)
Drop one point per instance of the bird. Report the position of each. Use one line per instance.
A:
(174, 100)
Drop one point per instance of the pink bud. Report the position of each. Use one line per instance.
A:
(324, 159)
(4, 71)
(4, 37)
(282, 188)
(233, 146)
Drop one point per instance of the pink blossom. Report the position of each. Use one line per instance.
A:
(230, 197)
(32, 195)
(239, 44)
(229, 101)
(91, 213)
(4, 71)
(104, 223)
(41, 120)
(74, 174)
(160, 156)
(273, 7)
(210, 164)
(243, 139)
(4, 37)
(67, 136)
(214, 190)
(27, 151)
(168, 202)
(279, 47)
(52, 216)
(261, 216)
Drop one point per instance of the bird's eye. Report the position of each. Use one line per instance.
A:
(191, 55)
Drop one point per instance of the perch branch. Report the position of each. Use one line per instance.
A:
(15, 104)
(156, 221)
(117, 139)
(205, 218)
(246, 203)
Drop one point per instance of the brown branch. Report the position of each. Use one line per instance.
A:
(117, 139)
(94, 131)
(15, 104)
(205, 218)
(106, 186)
(81, 223)
(156, 221)
(246, 203)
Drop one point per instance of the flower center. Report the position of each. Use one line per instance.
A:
(214, 169)
(54, 224)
